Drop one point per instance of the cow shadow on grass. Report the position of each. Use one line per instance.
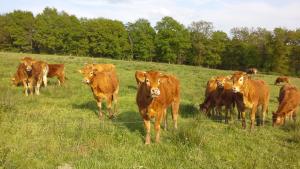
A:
(89, 105)
(131, 120)
(188, 110)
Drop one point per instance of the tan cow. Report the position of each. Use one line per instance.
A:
(282, 79)
(254, 93)
(105, 86)
(155, 94)
(20, 76)
(97, 67)
(289, 101)
(36, 72)
(57, 70)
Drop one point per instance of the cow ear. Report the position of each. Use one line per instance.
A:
(229, 77)
(163, 78)
(140, 76)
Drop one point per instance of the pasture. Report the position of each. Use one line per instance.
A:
(60, 127)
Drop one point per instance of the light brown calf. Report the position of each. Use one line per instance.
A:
(155, 94)
(105, 86)
(36, 72)
(57, 70)
(253, 94)
(289, 101)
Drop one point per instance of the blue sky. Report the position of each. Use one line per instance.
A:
(224, 14)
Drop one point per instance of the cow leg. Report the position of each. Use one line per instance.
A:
(263, 113)
(26, 87)
(165, 120)
(252, 115)
(30, 88)
(115, 102)
(243, 114)
(37, 88)
(45, 79)
(157, 126)
(99, 104)
(147, 127)
(175, 110)
(59, 81)
(227, 114)
(109, 107)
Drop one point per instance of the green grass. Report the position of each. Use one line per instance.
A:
(61, 126)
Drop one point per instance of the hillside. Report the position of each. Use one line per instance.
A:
(61, 126)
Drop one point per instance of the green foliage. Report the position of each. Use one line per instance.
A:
(16, 31)
(172, 41)
(59, 33)
(141, 37)
(107, 38)
(169, 41)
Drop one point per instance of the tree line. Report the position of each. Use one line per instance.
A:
(55, 32)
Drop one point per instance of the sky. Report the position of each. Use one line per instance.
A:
(224, 14)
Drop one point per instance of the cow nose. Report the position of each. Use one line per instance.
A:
(155, 92)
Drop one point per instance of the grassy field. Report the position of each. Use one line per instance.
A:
(60, 127)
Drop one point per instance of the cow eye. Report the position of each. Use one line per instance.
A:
(147, 80)
(158, 80)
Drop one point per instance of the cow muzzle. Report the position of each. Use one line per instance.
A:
(28, 68)
(235, 89)
(155, 92)
(87, 81)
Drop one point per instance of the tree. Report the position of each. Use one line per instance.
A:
(17, 30)
(200, 33)
(59, 33)
(172, 41)
(142, 37)
(107, 38)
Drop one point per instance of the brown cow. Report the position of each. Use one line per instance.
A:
(289, 101)
(221, 96)
(208, 105)
(104, 85)
(282, 79)
(36, 72)
(20, 76)
(97, 67)
(57, 70)
(253, 93)
(154, 95)
(252, 71)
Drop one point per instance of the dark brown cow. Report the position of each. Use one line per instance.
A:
(252, 94)
(289, 101)
(282, 79)
(105, 86)
(57, 70)
(154, 95)
(221, 96)
(252, 71)
(208, 104)
(36, 72)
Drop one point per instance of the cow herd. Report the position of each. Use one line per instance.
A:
(156, 91)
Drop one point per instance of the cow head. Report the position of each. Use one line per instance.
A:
(88, 75)
(151, 80)
(86, 69)
(277, 120)
(28, 62)
(221, 80)
(239, 79)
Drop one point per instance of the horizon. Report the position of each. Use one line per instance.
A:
(224, 15)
